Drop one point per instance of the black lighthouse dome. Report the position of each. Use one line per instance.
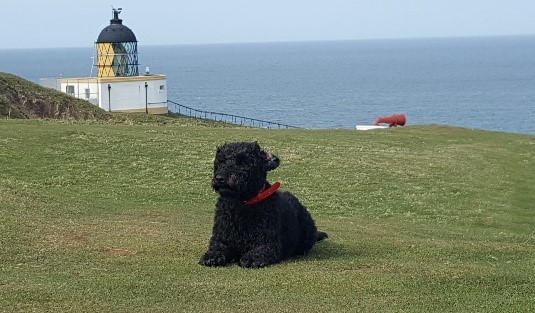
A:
(116, 31)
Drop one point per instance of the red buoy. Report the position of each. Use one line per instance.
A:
(392, 120)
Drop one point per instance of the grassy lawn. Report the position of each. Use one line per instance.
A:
(102, 217)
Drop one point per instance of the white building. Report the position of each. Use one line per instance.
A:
(118, 86)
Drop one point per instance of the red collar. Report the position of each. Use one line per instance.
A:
(263, 194)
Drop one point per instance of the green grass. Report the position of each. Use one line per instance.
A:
(98, 217)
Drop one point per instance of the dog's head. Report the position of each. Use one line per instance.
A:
(240, 169)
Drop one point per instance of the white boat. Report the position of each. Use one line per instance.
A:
(369, 127)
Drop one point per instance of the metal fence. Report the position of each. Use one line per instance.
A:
(224, 117)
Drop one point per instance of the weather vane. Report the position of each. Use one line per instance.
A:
(116, 12)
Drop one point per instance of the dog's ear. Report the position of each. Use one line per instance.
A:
(272, 160)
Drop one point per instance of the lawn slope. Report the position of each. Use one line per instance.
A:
(20, 98)
(100, 217)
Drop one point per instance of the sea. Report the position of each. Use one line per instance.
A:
(483, 83)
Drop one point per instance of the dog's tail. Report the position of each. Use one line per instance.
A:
(320, 235)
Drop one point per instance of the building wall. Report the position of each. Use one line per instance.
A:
(130, 95)
(81, 88)
(127, 94)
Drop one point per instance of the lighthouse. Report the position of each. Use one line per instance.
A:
(116, 48)
(118, 86)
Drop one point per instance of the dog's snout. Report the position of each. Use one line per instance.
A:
(220, 178)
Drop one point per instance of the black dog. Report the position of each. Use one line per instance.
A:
(254, 223)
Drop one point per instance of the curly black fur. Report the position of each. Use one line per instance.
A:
(260, 234)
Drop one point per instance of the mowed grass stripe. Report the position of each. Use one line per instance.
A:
(100, 217)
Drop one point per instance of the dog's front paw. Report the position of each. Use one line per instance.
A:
(254, 261)
(211, 258)
(261, 256)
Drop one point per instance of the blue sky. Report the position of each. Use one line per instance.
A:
(62, 23)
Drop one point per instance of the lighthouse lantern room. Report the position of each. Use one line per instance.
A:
(118, 87)
(116, 48)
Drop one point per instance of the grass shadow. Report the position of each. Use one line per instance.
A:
(328, 249)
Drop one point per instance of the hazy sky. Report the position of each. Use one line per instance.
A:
(62, 23)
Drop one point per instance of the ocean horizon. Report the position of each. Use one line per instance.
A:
(474, 82)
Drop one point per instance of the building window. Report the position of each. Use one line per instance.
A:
(70, 90)
(87, 93)
(162, 88)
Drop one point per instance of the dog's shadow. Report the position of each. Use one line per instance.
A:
(328, 250)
